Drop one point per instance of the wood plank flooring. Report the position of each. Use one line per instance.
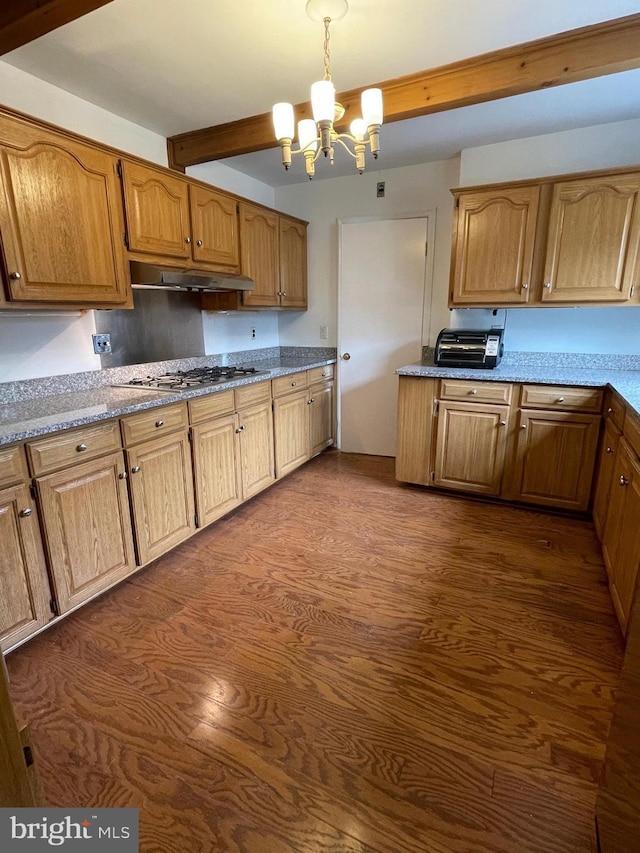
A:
(344, 665)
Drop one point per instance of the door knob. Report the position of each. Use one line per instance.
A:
(346, 356)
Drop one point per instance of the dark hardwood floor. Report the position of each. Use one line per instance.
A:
(347, 665)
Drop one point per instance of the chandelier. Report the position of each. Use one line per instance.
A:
(318, 135)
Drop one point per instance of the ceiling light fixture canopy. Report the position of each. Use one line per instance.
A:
(319, 134)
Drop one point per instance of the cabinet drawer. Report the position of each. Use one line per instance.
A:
(247, 395)
(211, 406)
(287, 384)
(73, 446)
(561, 397)
(614, 409)
(153, 423)
(13, 466)
(632, 430)
(320, 374)
(475, 392)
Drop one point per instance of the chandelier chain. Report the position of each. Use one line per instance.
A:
(327, 69)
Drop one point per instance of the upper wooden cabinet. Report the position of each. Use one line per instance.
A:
(494, 240)
(569, 240)
(293, 263)
(594, 230)
(174, 221)
(260, 255)
(60, 220)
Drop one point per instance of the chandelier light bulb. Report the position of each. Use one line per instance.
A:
(283, 121)
(323, 99)
(371, 100)
(358, 128)
(307, 135)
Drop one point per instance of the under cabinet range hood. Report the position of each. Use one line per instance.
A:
(150, 276)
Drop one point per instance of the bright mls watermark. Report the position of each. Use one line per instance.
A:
(79, 830)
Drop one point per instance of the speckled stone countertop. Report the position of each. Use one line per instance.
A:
(622, 373)
(30, 409)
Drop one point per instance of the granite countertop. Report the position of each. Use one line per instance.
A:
(620, 373)
(40, 414)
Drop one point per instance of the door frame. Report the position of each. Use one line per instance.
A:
(427, 301)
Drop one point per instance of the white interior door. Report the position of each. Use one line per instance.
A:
(380, 320)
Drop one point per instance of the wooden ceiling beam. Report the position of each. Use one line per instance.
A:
(592, 51)
(22, 21)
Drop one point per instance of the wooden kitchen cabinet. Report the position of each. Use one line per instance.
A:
(563, 240)
(291, 431)
(471, 443)
(621, 539)
(255, 423)
(321, 407)
(157, 213)
(494, 234)
(24, 587)
(259, 236)
(216, 467)
(606, 471)
(416, 419)
(594, 232)
(292, 254)
(215, 229)
(85, 514)
(160, 479)
(60, 219)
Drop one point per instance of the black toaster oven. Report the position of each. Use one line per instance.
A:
(480, 348)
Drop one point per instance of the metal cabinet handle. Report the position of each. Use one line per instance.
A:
(525, 285)
(135, 469)
(187, 240)
(623, 481)
(15, 276)
(503, 423)
(159, 423)
(283, 293)
(81, 447)
(25, 513)
(293, 384)
(198, 242)
(609, 410)
(309, 402)
(560, 400)
(241, 428)
(523, 426)
(609, 449)
(547, 284)
(473, 391)
(122, 475)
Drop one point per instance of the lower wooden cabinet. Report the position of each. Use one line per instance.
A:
(555, 458)
(470, 447)
(302, 417)
(621, 539)
(85, 515)
(320, 417)
(606, 470)
(216, 468)
(416, 400)
(256, 448)
(161, 483)
(291, 426)
(24, 587)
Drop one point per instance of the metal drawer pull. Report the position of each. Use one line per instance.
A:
(624, 481)
(159, 423)
(473, 391)
(609, 449)
(293, 384)
(81, 447)
(25, 513)
(560, 399)
(122, 475)
(135, 469)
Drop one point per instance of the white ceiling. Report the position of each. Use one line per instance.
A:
(173, 67)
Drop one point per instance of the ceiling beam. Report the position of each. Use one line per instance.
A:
(580, 54)
(22, 21)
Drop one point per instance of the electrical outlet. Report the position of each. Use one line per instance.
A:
(380, 189)
(253, 331)
(101, 343)
(324, 333)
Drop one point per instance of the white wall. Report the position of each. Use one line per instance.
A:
(50, 344)
(410, 190)
(589, 330)
(232, 332)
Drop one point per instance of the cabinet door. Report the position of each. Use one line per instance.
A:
(214, 220)
(416, 395)
(256, 448)
(61, 222)
(161, 483)
(555, 458)
(85, 512)
(259, 252)
(470, 447)
(24, 588)
(604, 481)
(494, 246)
(621, 545)
(291, 431)
(594, 231)
(216, 464)
(321, 417)
(157, 212)
(293, 264)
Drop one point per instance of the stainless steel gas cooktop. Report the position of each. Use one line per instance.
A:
(198, 377)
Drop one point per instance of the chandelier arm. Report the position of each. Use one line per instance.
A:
(327, 36)
(344, 144)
